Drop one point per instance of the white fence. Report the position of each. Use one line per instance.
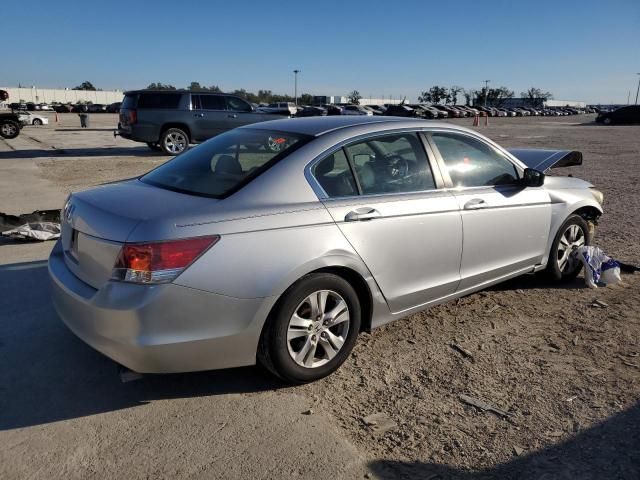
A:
(50, 95)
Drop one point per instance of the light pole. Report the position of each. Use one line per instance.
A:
(295, 85)
(638, 89)
(486, 91)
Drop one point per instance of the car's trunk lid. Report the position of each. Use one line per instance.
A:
(97, 222)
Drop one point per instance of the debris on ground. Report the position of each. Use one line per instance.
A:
(599, 304)
(462, 350)
(34, 231)
(379, 423)
(518, 450)
(484, 406)
(308, 412)
(598, 266)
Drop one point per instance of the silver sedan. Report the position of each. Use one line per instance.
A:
(279, 242)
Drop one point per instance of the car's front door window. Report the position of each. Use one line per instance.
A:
(472, 163)
(237, 105)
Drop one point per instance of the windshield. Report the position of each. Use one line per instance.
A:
(226, 163)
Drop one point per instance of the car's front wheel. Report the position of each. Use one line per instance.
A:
(563, 265)
(37, 121)
(312, 329)
(607, 121)
(174, 141)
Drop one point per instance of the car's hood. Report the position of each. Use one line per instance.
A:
(543, 160)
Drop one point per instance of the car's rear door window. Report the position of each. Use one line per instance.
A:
(391, 164)
(470, 162)
(212, 102)
(225, 163)
(334, 175)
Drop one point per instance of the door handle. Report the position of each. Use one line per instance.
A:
(232, 115)
(475, 204)
(362, 214)
(198, 115)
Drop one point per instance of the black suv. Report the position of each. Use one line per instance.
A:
(169, 120)
(629, 114)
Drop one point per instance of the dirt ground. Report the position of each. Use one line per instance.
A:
(565, 373)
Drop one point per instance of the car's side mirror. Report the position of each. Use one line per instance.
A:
(532, 178)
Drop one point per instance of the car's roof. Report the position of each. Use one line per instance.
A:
(317, 126)
(180, 90)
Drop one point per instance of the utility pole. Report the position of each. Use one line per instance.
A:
(486, 91)
(295, 85)
(638, 89)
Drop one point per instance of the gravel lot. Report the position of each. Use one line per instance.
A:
(567, 373)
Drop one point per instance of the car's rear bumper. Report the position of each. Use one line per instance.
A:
(158, 329)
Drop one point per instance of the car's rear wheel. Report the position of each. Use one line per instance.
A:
(174, 141)
(154, 146)
(9, 129)
(312, 330)
(37, 121)
(563, 265)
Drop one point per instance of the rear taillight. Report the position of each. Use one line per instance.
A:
(133, 116)
(159, 262)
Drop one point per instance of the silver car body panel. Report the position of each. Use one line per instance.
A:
(425, 248)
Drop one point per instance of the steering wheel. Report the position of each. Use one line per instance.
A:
(397, 167)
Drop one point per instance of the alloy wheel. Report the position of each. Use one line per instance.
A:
(175, 142)
(318, 329)
(572, 238)
(9, 129)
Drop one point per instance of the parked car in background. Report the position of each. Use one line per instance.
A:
(170, 120)
(311, 111)
(63, 108)
(234, 254)
(97, 108)
(28, 118)
(18, 106)
(625, 115)
(114, 107)
(279, 108)
(377, 109)
(404, 111)
(355, 110)
(429, 111)
(80, 108)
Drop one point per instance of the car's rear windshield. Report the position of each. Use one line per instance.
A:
(226, 163)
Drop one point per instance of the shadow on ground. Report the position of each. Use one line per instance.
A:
(79, 152)
(609, 450)
(48, 374)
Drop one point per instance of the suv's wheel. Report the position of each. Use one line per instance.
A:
(9, 129)
(312, 330)
(154, 146)
(37, 121)
(574, 233)
(607, 121)
(174, 141)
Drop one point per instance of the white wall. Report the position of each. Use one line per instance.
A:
(49, 95)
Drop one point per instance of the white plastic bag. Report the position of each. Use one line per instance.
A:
(598, 266)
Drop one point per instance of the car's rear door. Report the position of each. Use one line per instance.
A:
(209, 115)
(406, 230)
(506, 226)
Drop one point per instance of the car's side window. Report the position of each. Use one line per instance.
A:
(334, 175)
(472, 163)
(212, 102)
(391, 164)
(237, 105)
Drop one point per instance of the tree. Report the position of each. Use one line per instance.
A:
(535, 95)
(86, 85)
(160, 86)
(497, 96)
(435, 94)
(453, 93)
(305, 99)
(354, 97)
(468, 96)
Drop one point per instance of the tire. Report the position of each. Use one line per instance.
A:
(607, 121)
(174, 141)
(571, 269)
(154, 146)
(9, 129)
(37, 121)
(297, 347)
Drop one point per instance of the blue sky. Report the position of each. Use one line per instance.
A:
(579, 50)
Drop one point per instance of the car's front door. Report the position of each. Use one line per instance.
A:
(406, 230)
(241, 113)
(210, 116)
(506, 226)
